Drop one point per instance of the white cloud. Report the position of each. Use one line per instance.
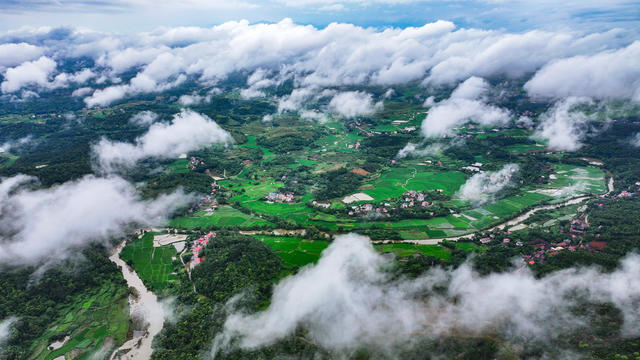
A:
(80, 92)
(350, 104)
(311, 115)
(563, 126)
(16, 144)
(412, 149)
(144, 118)
(481, 187)
(65, 79)
(331, 57)
(347, 301)
(251, 93)
(5, 330)
(106, 96)
(43, 225)
(35, 72)
(635, 140)
(16, 54)
(187, 131)
(605, 75)
(465, 104)
(40, 73)
(193, 99)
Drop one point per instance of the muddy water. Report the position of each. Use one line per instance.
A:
(147, 306)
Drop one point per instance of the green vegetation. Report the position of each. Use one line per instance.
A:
(405, 250)
(224, 216)
(88, 305)
(294, 251)
(154, 265)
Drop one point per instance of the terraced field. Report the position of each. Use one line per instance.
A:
(94, 324)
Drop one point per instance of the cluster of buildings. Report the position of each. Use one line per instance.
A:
(214, 187)
(410, 199)
(543, 250)
(365, 209)
(413, 198)
(197, 247)
(194, 162)
(624, 194)
(286, 197)
(577, 228)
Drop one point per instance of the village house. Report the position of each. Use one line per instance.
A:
(286, 197)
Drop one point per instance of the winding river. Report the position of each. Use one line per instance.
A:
(146, 306)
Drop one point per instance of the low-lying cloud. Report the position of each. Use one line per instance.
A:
(483, 186)
(144, 118)
(564, 126)
(5, 331)
(351, 104)
(466, 104)
(42, 225)
(607, 75)
(19, 144)
(187, 131)
(347, 302)
(35, 72)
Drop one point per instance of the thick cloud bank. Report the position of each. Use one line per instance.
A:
(465, 104)
(334, 56)
(187, 131)
(346, 301)
(606, 75)
(42, 225)
(481, 187)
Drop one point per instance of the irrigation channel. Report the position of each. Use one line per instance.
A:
(147, 306)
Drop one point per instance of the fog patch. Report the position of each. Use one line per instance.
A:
(564, 126)
(415, 150)
(16, 145)
(43, 225)
(635, 140)
(347, 302)
(144, 118)
(5, 331)
(187, 131)
(482, 187)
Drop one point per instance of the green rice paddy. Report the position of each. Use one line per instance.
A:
(294, 251)
(154, 265)
(224, 216)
